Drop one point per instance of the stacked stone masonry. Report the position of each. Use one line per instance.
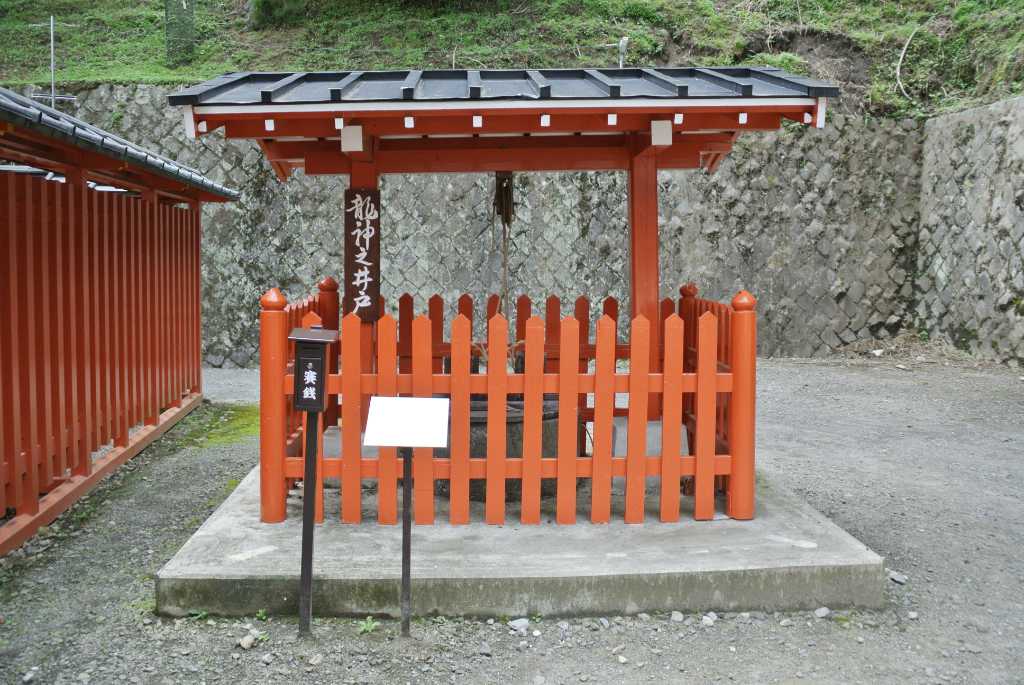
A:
(970, 282)
(822, 226)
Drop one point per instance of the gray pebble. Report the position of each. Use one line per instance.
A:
(520, 625)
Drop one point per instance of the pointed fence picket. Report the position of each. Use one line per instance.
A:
(704, 388)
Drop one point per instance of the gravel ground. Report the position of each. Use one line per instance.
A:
(918, 456)
(231, 385)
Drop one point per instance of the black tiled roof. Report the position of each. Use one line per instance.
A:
(246, 88)
(30, 114)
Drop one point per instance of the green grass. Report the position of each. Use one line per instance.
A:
(213, 425)
(237, 422)
(965, 52)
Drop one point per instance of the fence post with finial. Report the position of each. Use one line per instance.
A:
(740, 491)
(273, 406)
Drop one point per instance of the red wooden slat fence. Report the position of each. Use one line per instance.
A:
(101, 341)
(705, 387)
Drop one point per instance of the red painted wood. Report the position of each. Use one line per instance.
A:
(435, 309)
(29, 366)
(12, 459)
(465, 307)
(636, 439)
(274, 329)
(644, 265)
(422, 459)
(568, 426)
(743, 361)
(493, 306)
(251, 126)
(672, 418)
(581, 311)
(533, 401)
(552, 332)
(405, 316)
(121, 323)
(523, 313)
(462, 333)
(43, 299)
(158, 309)
(351, 419)
(63, 357)
(88, 329)
(497, 379)
(604, 405)
(704, 492)
(197, 297)
(97, 281)
(387, 386)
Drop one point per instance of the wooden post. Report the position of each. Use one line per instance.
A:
(329, 315)
(364, 175)
(197, 294)
(704, 438)
(568, 422)
(497, 397)
(352, 419)
(643, 244)
(273, 359)
(740, 499)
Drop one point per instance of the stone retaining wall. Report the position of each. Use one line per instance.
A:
(822, 226)
(970, 284)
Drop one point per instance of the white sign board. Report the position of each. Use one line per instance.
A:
(407, 422)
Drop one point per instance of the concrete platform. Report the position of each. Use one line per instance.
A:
(789, 557)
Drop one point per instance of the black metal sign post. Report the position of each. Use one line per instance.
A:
(308, 507)
(406, 423)
(311, 345)
(406, 598)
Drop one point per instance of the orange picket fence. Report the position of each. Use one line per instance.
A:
(101, 338)
(699, 391)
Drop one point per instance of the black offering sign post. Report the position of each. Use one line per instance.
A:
(311, 345)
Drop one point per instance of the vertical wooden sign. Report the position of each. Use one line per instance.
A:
(362, 253)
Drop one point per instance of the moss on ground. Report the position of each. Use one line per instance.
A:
(230, 423)
(963, 53)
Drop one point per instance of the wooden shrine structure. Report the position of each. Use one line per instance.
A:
(687, 363)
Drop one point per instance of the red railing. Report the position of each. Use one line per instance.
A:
(703, 384)
(101, 338)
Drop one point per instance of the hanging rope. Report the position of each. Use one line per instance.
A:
(504, 208)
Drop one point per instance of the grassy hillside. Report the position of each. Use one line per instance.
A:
(962, 53)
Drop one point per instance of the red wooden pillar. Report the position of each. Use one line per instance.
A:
(643, 250)
(196, 378)
(364, 175)
(273, 410)
(741, 488)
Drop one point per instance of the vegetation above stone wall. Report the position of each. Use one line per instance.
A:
(961, 53)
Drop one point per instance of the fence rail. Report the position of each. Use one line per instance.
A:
(101, 338)
(702, 385)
